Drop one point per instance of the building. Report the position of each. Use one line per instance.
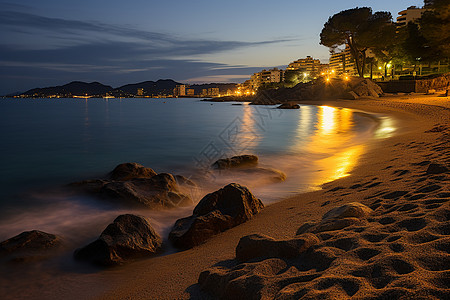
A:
(274, 75)
(343, 63)
(411, 14)
(190, 92)
(179, 90)
(308, 65)
(210, 92)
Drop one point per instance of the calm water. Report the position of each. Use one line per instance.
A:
(47, 143)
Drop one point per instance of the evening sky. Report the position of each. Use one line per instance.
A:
(52, 42)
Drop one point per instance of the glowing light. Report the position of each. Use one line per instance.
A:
(379, 68)
(328, 79)
(346, 78)
(332, 71)
(388, 66)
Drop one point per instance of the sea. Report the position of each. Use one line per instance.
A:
(48, 143)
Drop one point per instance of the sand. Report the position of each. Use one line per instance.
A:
(400, 249)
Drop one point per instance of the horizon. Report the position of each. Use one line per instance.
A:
(54, 43)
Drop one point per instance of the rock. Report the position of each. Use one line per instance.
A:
(289, 105)
(351, 96)
(128, 237)
(135, 185)
(216, 212)
(30, 245)
(349, 214)
(262, 246)
(306, 227)
(236, 162)
(128, 171)
(349, 210)
(336, 224)
(436, 169)
(157, 192)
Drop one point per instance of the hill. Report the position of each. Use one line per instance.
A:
(75, 88)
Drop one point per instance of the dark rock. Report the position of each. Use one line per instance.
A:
(128, 171)
(128, 237)
(133, 184)
(262, 246)
(236, 162)
(289, 105)
(157, 192)
(437, 169)
(215, 213)
(30, 245)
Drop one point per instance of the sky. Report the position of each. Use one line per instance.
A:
(53, 42)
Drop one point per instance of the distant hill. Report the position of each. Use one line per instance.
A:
(150, 88)
(160, 87)
(75, 88)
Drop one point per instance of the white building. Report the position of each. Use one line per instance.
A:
(410, 14)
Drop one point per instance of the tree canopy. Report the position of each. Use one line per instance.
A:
(435, 26)
(360, 29)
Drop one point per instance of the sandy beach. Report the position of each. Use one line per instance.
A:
(393, 164)
(401, 249)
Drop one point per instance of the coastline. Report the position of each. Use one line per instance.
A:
(175, 276)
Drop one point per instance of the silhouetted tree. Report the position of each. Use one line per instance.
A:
(435, 27)
(361, 30)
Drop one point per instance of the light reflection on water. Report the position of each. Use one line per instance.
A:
(312, 145)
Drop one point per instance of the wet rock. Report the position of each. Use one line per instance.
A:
(236, 162)
(262, 246)
(160, 191)
(216, 212)
(135, 185)
(128, 237)
(437, 169)
(29, 246)
(289, 105)
(271, 175)
(128, 171)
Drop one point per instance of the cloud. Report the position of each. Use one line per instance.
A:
(55, 49)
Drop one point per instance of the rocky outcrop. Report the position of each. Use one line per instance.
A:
(128, 237)
(239, 161)
(132, 184)
(30, 246)
(320, 88)
(216, 212)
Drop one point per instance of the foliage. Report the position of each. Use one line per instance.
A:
(361, 30)
(435, 26)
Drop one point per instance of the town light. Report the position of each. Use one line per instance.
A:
(388, 66)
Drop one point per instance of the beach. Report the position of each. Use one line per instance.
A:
(396, 164)
(405, 238)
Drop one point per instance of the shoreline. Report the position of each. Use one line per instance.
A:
(175, 276)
